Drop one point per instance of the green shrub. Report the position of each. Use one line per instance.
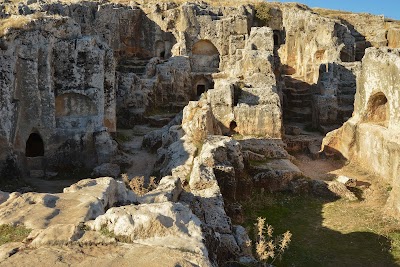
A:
(263, 12)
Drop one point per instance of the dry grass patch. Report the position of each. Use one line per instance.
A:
(137, 184)
(13, 22)
(222, 3)
(18, 22)
(267, 246)
(9, 233)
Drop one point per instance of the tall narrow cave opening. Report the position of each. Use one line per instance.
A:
(34, 146)
(232, 127)
(277, 38)
(237, 93)
(377, 110)
(201, 88)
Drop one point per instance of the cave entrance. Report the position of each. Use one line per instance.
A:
(201, 88)
(232, 127)
(34, 146)
(277, 38)
(162, 54)
(378, 110)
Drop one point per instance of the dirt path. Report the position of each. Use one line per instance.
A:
(319, 169)
(142, 160)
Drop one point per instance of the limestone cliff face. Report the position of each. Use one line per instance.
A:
(312, 40)
(370, 137)
(58, 85)
(248, 103)
(70, 75)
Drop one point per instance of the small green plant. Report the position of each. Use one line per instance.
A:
(267, 247)
(263, 12)
(237, 136)
(104, 231)
(10, 233)
(120, 238)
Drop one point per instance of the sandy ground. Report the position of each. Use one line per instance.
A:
(142, 160)
(319, 169)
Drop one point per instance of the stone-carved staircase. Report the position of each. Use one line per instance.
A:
(133, 65)
(297, 103)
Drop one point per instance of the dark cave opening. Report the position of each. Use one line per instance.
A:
(34, 146)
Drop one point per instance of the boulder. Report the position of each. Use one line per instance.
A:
(107, 169)
(166, 224)
(169, 189)
(80, 202)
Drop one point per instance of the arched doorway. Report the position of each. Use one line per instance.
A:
(205, 57)
(201, 88)
(277, 38)
(34, 146)
(377, 110)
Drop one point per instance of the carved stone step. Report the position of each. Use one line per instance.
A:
(299, 103)
(36, 163)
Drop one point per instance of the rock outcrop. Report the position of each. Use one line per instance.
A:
(80, 202)
(370, 136)
(74, 71)
(58, 92)
(84, 215)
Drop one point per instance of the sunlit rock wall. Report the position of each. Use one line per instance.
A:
(59, 85)
(371, 136)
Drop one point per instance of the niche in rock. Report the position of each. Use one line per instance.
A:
(201, 84)
(34, 146)
(377, 110)
(277, 38)
(201, 88)
(205, 57)
(232, 127)
(160, 49)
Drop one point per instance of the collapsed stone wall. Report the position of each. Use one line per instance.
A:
(370, 136)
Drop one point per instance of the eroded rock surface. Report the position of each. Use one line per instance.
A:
(73, 73)
(370, 136)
